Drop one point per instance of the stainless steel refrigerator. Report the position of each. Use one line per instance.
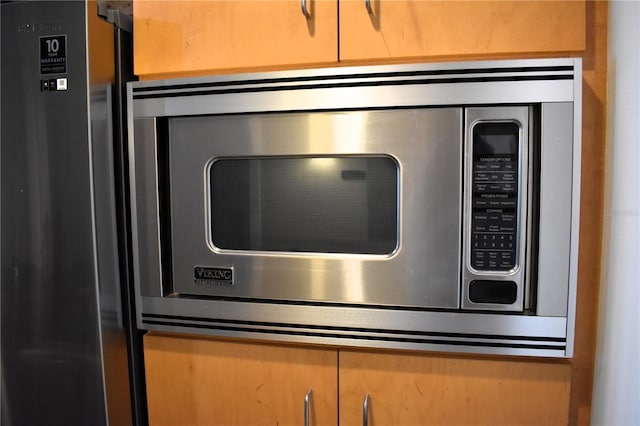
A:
(69, 354)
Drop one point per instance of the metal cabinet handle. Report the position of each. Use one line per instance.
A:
(307, 401)
(365, 411)
(303, 6)
(367, 4)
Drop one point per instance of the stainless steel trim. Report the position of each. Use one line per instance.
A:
(135, 213)
(145, 224)
(575, 207)
(391, 77)
(362, 327)
(372, 318)
(359, 97)
(512, 68)
(365, 341)
(361, 87)
(532, 188)
(556, 189)
(365, 410)
(305, 11)
(307, 403)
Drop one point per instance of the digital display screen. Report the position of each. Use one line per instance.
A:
(491, 139)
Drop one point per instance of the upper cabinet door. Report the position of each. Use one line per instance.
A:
(195, 37)
(414, 28)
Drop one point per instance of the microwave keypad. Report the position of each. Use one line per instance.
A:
(494, 219)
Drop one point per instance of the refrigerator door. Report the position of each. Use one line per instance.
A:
(63, 349)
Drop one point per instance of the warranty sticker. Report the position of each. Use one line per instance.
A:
(53, 54)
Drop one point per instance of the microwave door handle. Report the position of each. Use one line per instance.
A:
(365, 411)
(307, 402)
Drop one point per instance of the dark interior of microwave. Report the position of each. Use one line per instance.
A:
(338, 204)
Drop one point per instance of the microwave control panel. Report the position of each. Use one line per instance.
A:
(496, 208)
(494, 211)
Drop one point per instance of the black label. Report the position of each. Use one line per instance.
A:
(216, 276)
(53, 54)
(494, 196)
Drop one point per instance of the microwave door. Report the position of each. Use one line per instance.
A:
(340, 207)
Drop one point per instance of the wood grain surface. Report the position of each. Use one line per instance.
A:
(410, 28)
(200, 36)
(427, 389)
(202, 382)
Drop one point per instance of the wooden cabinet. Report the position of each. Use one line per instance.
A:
(409, 28)
(193, 381)
(200, 382)
(196, 37)
(407, 389)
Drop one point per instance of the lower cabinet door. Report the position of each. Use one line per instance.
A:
(424, 390)
(195, 381)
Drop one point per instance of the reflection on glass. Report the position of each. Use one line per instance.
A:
(305, 204)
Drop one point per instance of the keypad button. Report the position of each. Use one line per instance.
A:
(494, 209)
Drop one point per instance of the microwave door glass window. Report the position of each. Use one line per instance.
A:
(305, 204)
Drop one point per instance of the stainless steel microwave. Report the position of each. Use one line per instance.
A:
(424, 206)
